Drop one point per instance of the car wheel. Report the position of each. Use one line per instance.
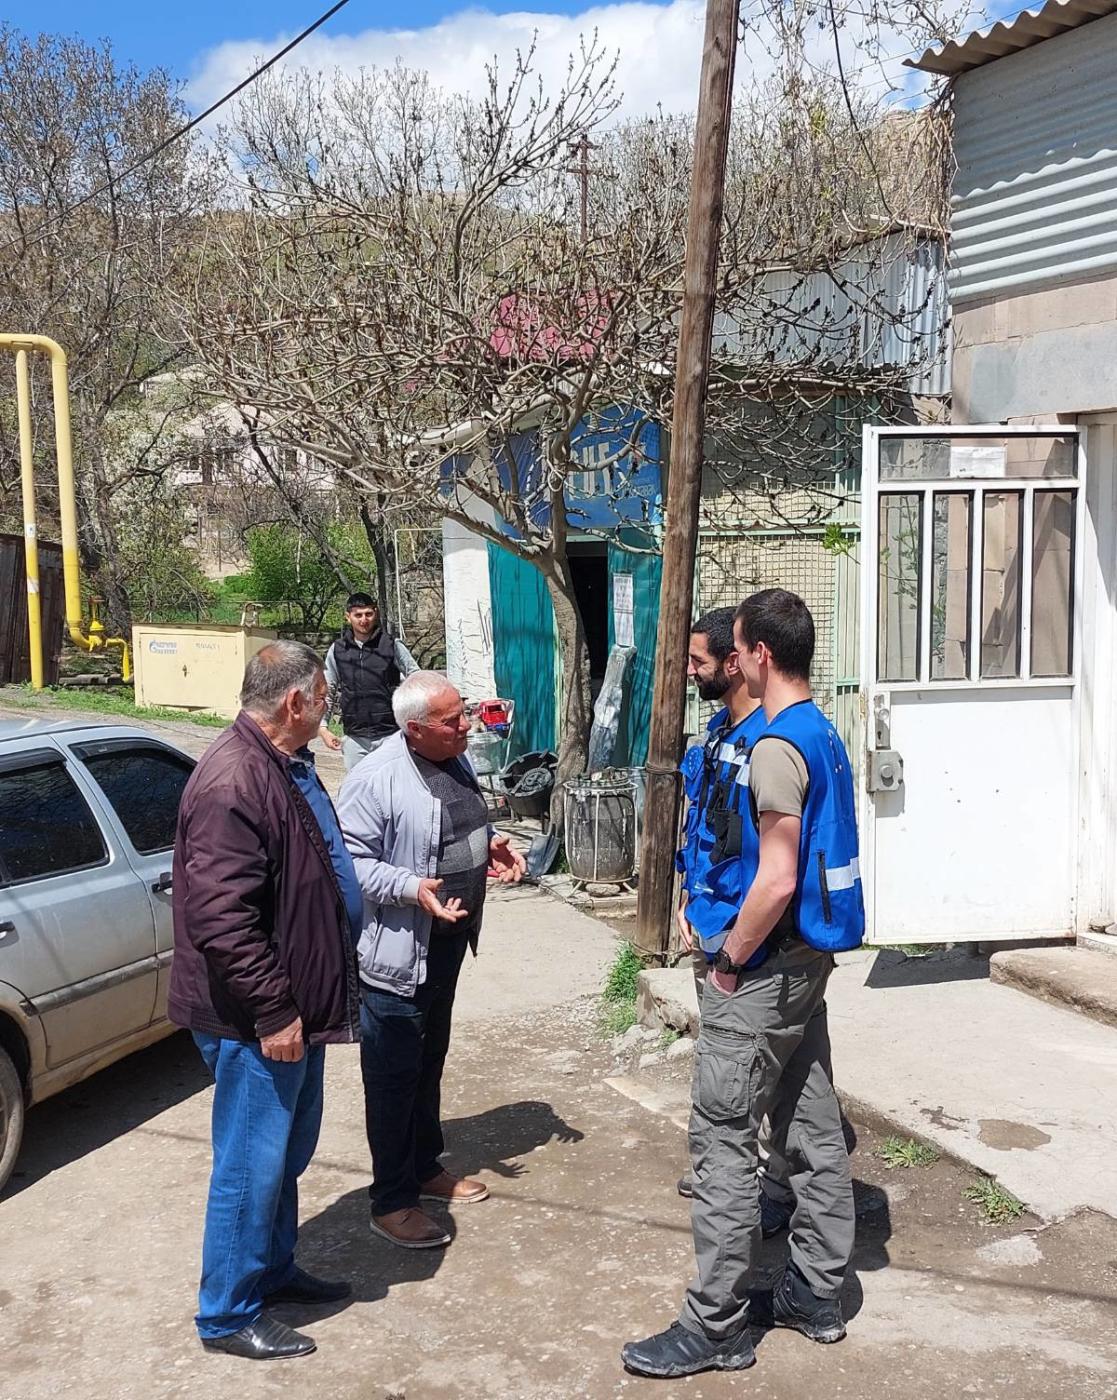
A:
(11, 1117)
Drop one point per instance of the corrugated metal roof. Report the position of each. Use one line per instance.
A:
(1009, 36)
(884, 305)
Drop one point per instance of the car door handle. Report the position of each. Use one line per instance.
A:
(163, 883)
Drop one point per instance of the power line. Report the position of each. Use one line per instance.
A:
(182, 130)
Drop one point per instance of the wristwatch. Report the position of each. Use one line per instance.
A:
(724, 963)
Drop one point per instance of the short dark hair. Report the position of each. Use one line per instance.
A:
(360, 600)
(783, 622)
(717, 627)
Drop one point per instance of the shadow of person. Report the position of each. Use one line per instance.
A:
(495, 1140)
(338, 1244)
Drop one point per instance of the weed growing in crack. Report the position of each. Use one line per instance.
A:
(997, 1205)
(906, 1152)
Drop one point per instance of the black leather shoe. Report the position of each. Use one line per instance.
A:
(793, 1305)
(680, 1352)
(685, 1187)
(262, 1340)
(774, 1215)
(305, 1288)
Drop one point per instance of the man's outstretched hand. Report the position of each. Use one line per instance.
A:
(505, 864)
(449, 913)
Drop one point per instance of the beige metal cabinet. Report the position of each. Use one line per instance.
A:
(194, 668)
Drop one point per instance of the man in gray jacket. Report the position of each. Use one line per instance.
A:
(416, 825)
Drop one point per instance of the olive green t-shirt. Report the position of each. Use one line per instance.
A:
(778, 783)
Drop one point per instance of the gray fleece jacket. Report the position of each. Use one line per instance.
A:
(392, 826)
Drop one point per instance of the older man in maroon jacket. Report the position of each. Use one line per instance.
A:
(266, 909)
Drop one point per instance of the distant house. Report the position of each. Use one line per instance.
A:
(760, 525)
(220, 478)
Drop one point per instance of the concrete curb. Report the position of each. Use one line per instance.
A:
(1082, 979)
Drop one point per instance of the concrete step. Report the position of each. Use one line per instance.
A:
(1082, 978)
(666, 999)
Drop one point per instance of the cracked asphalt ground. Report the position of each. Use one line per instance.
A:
(583, 1245)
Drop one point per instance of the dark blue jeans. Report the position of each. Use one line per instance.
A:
(403, 1049)
(266, 1117)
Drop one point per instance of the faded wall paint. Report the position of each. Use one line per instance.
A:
(469, 614)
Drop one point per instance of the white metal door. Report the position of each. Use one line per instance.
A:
(971, 574)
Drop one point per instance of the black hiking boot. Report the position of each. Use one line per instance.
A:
(792, 1304)
(774, 1215)
(680, 1352)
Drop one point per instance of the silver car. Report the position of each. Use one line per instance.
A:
(87, 827)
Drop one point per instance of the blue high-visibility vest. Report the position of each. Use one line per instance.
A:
(718, 827)
(828, 904)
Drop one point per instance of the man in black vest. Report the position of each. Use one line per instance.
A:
(363, 668)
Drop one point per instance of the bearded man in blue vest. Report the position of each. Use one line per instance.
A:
(363, 668)
(764, 1047)
(718, 823)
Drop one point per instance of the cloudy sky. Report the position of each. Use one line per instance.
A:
(214, 43)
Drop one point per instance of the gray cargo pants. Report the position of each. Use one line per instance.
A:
(354, 748)
(771, 1146)
(765, 1050)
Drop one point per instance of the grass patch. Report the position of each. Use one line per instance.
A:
(669, 1036)
(618, 996)
(909, 950)
(997, 1205)
(118, 702)
(617, 1017)
(906, 1152)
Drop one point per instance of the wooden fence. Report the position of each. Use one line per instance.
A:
(15, 660)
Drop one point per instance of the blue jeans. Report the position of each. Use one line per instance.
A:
(403, 1049)
(266, 1117)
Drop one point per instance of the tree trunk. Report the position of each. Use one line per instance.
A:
(382, 543)
(100, 549)
(577, 710)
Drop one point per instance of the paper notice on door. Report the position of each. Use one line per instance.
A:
(968, 463)
(623, 631)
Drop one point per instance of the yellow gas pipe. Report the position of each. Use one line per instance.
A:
(67, 508)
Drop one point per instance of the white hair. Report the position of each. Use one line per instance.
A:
(415, 694)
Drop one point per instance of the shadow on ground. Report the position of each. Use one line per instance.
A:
(337, 1243)
(106, 1106)
(895, 968)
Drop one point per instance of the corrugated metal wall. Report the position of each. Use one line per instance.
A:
(1035, 194)
(885, 304)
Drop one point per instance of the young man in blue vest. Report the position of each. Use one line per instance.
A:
(363, 668)
(718, 822)
(763, 1047)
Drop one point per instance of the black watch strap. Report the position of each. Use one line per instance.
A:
(724, 963)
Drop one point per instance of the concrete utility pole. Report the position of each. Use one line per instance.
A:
(684, 485)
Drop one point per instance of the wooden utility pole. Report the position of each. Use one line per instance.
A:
(684, 485)
(581, 149)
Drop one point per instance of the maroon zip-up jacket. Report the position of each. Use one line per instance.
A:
(261, 932)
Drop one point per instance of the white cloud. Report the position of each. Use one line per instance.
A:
(659, 48)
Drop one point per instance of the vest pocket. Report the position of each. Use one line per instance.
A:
(824, 888)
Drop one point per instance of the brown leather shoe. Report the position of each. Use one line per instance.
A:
(452, 1191)
(410, 1228)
